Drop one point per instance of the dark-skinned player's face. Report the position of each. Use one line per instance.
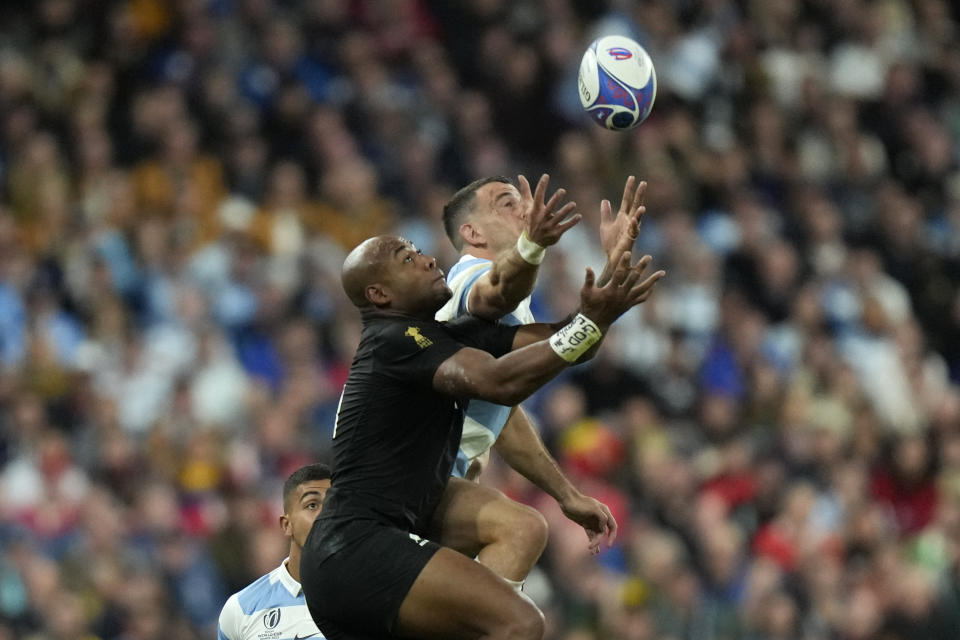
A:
(414, 280)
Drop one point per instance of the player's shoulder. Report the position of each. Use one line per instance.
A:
(463, 275)
(460, 278)
(231, 619)
(468, 264)
(269, 593)
(409, 331)
(273, 601)
(232, 605)
(266, 592)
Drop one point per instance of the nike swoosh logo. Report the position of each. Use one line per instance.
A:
(299, 637)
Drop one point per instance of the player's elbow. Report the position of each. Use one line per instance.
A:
(513, 397)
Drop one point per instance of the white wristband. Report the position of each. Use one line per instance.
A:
(530, 250)
(573, 340)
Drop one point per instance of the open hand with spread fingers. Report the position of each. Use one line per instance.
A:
(546, 221)
(618, 233)
(603, 304)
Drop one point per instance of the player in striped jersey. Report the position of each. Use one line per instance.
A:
(502, 232)
(273, 607)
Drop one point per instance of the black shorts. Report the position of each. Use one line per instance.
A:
(355, 576)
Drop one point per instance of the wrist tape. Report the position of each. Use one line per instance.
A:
(573, 340)
(529, 250)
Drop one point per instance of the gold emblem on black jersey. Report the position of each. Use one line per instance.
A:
(422, 341)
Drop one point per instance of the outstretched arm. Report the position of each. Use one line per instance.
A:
(539, 356)
(520, 446)
(513, 273)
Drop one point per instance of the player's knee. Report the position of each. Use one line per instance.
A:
(524, 622)
(530, 529)
(531, 625)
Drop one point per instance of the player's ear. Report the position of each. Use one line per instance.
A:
(472, 235)
(377, 294)
(286, 525)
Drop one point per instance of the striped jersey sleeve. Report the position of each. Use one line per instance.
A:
(461, 279)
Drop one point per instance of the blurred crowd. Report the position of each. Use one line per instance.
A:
(777, 430)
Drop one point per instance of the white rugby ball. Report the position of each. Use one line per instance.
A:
(617, 83)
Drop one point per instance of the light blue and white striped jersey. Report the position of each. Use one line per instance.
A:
(484, 420)
(270, 608)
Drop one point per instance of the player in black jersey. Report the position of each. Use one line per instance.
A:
(366, 572)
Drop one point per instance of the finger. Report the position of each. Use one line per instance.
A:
(638, 194)
(555, 200)
(589, 279)
(569, 223)
(541, 188)
(623, 269)
(594, 538)
(642, 264)
(642, 291)
(636, 218)
(606, 211)
(651, 280)
(632, 277)
(611, 527)
(628, 191)
(619, 276)
(524, 188)
(564, 211)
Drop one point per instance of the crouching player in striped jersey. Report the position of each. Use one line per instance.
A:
(273, 606)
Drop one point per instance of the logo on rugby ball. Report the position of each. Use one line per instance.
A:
(620, 53)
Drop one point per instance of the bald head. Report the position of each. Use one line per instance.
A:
(388, 272)
(365, 265)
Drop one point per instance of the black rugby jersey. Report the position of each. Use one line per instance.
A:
(396, 437)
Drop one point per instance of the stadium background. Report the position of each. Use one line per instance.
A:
(777, 432)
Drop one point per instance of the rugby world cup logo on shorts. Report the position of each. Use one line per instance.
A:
(271, 618)
(620, 53)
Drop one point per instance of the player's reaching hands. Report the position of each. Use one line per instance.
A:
(618, 233)
(546, 220)
(603, 304)
(593, 516)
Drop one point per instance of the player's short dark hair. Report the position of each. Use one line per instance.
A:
(309, 473)
(461, 204)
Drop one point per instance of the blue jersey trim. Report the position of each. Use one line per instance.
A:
(262, 594)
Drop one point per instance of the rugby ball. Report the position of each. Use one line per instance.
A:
(617, 83)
